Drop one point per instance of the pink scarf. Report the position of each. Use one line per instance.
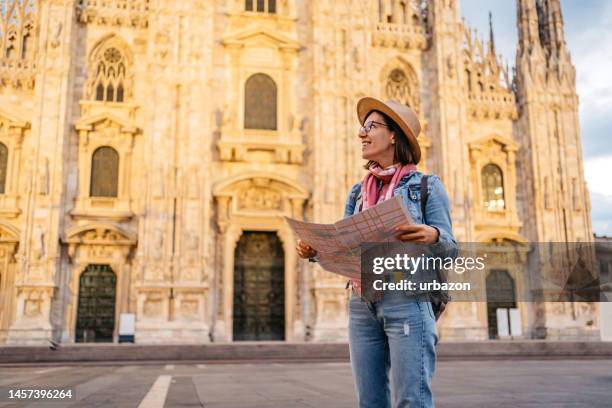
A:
(372, 196)
(389, 176)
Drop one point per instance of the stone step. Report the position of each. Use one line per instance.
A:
(292, 352)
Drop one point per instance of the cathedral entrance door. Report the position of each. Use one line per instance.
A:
(96, 308)
(500, 294)
(259, 287)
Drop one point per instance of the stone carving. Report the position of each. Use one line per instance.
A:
(43, 177)
(56, 37)
(152, 307)
(158, 244)
(189, 308)
(162, 47)
(192, 241)
(109, 77)
(32, 307)
(450, 67)
(192, 246)
(99, 252)
(257, 198)
(486, 80)
(130, 13)
(402, 86)
(19, 34)
(38, 242)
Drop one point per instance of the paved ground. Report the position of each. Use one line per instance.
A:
(521, 384)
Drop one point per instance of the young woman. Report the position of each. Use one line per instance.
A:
(396, 333)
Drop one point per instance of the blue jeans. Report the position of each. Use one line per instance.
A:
(398, 334)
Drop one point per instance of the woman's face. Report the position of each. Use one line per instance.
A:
(377, 144)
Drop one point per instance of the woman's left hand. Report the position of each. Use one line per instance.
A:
(417, 233)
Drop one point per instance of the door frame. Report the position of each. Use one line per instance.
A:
(488, 303)
(277, 242)
(265, 224)
(78, 295)
(121, 295)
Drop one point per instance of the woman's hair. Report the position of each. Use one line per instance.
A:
(402, 153)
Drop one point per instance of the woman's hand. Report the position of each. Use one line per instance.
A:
(305, 251)
(417, 233)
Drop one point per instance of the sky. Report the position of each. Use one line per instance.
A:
(588, 33)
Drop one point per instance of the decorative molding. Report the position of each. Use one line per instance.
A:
(128, 13)
(19, 31)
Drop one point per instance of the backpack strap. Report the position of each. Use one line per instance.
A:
(424, 195)
(439, 299)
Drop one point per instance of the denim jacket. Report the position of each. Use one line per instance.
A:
(437, 210)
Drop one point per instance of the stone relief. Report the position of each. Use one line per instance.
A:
(56, 38)
(32, 308)
(38, 242)
(158, 244)
(152, 307)
(43, 177)
(257, 198)
(189, 308)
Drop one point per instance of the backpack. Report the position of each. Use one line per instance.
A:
(439, 298)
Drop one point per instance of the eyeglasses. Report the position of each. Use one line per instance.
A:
(365, 129)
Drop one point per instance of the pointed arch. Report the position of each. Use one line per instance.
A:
(18, 28)
(110, 65)
(401, 83)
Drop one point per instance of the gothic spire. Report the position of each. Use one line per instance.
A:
(552, 25)
(491, 39)
(527, 20)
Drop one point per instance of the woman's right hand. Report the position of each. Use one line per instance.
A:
(305, 251)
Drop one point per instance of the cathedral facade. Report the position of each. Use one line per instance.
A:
(149, 150)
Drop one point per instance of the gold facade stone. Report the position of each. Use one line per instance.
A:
(192, 177)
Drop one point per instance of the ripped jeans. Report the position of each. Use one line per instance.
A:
(397, 335)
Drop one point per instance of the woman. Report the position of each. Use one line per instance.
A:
(397, 332)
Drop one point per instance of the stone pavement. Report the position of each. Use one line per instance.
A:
(521, 384)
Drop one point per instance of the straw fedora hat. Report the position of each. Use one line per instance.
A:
(401, 114)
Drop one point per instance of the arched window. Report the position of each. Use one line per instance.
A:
(261, 6)
(260, 102)
(108, 80)
(25, 46)
(11, 41)
(104, 172)
(403, 12)
(18, 20)
(492, 187)
(397, 12)
(3, 167)
(468, 78)
(403, 87)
